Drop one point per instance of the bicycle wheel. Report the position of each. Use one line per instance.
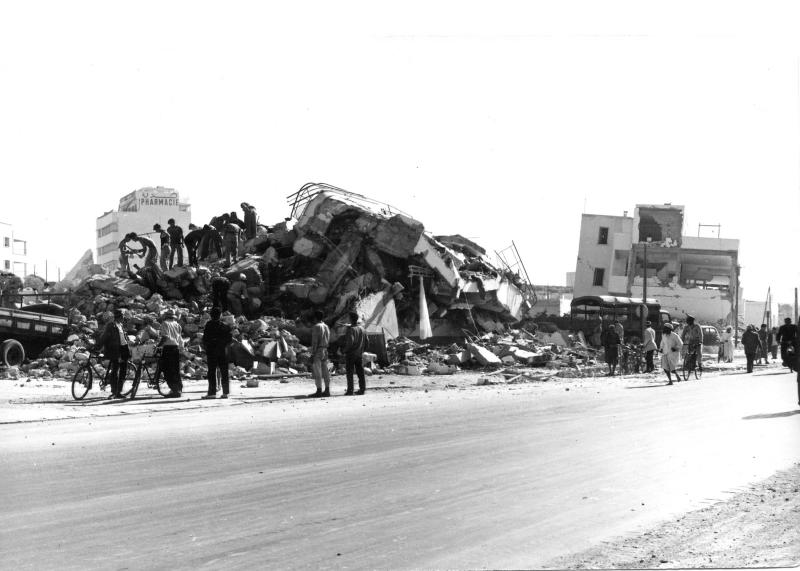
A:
(687, 366)
(131, 376)
(698, 368)
(161, 382)
(81, 381)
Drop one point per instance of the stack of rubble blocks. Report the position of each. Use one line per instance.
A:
(341, 252)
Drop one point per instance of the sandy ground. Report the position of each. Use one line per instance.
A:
(755, 527)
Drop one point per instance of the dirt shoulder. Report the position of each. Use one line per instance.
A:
(757, 527)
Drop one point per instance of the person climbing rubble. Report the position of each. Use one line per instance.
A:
(124, 252)
(231, 232)
(250, 220)
(148, 250)
(192, 242)
(210, 243)
(165, 247)
(237, 295)
(176, 240)
(219, 292)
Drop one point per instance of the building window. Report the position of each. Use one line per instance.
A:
(6, 242)
(603, 237)
(599, 274)
(107, 248)
(7, 264)
(106, 230)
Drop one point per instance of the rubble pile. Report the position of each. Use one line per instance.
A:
(338, 252)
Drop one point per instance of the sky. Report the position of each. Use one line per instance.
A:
(500, 121)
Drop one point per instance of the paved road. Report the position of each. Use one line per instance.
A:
(487, 477)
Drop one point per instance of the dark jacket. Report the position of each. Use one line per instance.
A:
(355, 341)
(110, 341)
(787, 333)
(192, 239)
(175, 235)
(216, 336)
(750, 341)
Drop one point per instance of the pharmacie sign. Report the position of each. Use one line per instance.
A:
(152, 199)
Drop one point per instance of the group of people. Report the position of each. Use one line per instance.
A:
(114, 343)
(671, 345)
(217, 336)
(221, 236)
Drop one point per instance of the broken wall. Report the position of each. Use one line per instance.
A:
(661, 223)
(707, 305)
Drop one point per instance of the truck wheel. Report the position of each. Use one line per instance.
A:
(12, 353)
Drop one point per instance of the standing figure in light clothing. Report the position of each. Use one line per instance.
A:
(320, 337)
(649, 346)
(726, 340)
(670, 349)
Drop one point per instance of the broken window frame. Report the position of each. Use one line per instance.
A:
(602, 236)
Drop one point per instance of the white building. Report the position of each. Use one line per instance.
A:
(13, 251)
(137, 212)
(687, 274)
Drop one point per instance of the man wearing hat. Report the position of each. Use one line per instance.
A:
(115, 347)
(692, 337)
(171, 342)
(670, 349)
(649, 346)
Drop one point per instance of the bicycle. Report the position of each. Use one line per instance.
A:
(692, 362)
(631, 360)
(82, 380)
(154, 380)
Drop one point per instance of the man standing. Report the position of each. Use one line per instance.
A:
(355, 341)
(763, 345)
(692, 337)
(230, 239)
(115, 348)
(216, 337)
(610, 340)
(165, 249)
(175, 242)
(192, 242)
(670, 349)
(171, 343)
(787, 333)
(751, 345)
(320, 337)
(649, 347)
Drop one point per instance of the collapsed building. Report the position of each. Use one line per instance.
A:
(340, 250)
(622, 255)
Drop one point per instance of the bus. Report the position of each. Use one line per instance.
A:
(586, 313)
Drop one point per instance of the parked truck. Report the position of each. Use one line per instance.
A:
(27, 329)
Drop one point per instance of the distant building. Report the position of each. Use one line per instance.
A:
(699, 276)
(13, 251)
(137, 212)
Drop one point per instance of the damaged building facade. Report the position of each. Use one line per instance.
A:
(686, 274)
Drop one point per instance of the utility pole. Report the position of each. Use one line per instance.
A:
(795, 316)
(646, 311)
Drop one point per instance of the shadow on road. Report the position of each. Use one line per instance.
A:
(664, 384)
(771, 415)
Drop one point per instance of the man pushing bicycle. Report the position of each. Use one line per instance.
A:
(692, 338)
